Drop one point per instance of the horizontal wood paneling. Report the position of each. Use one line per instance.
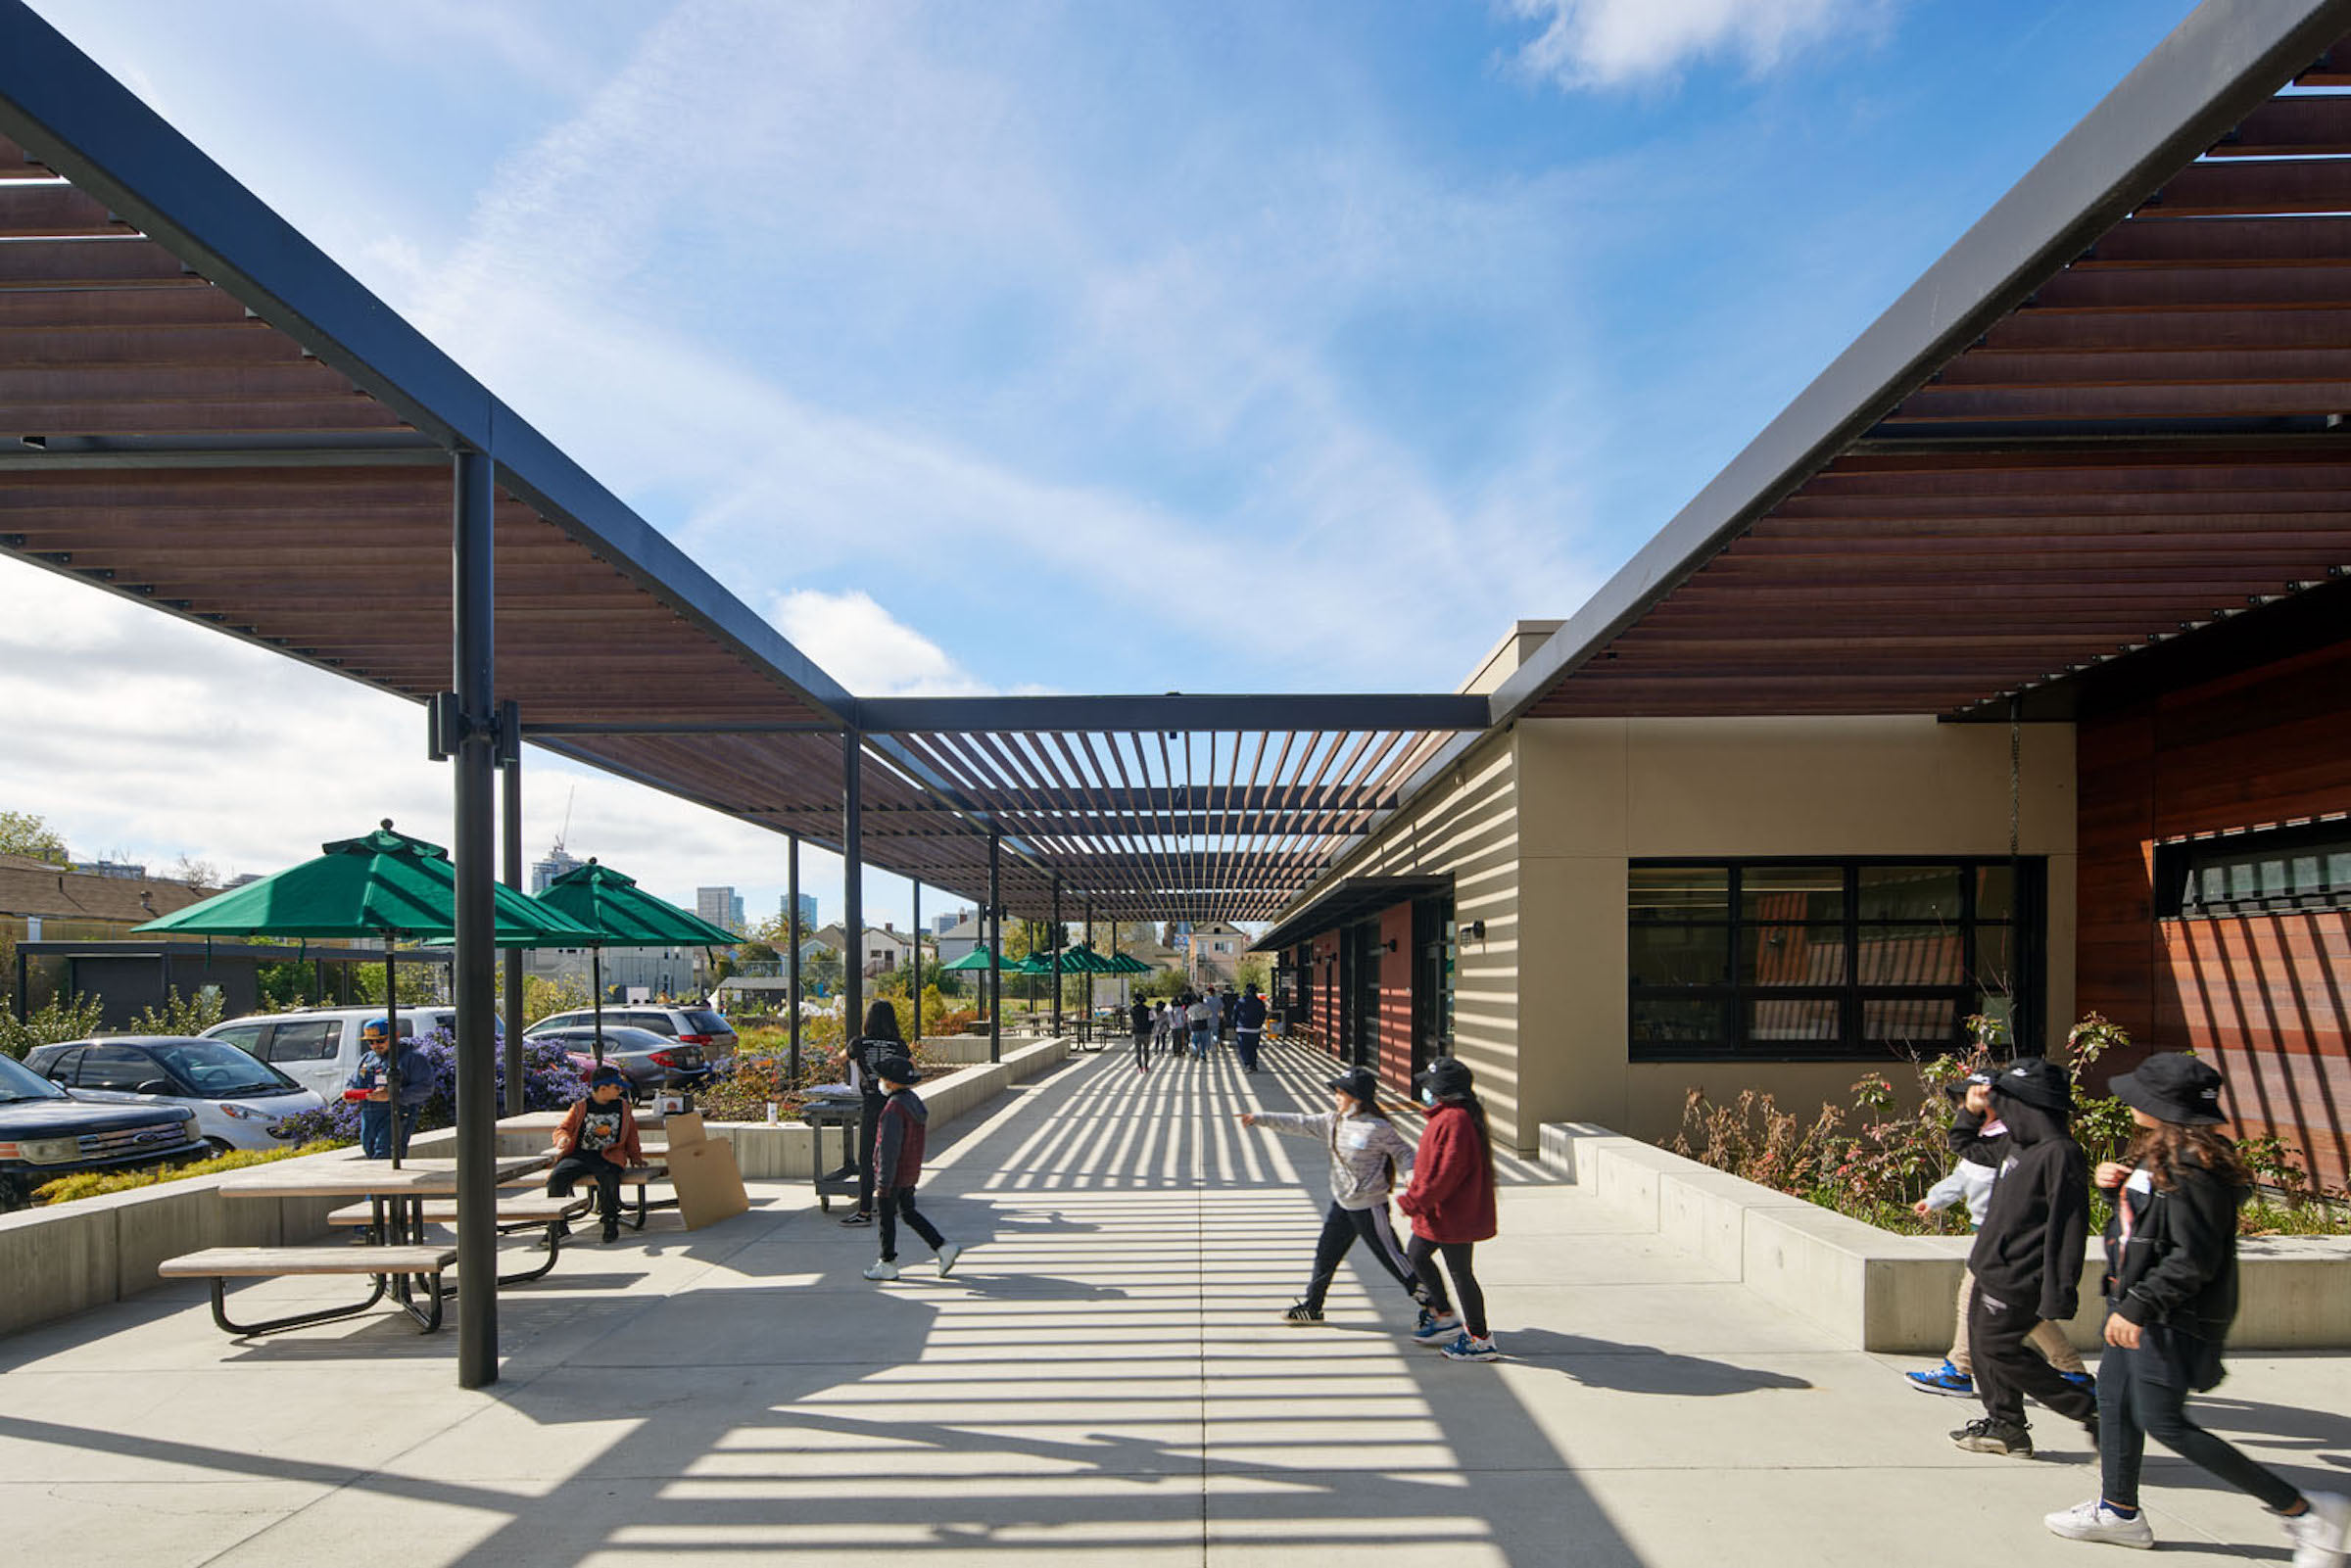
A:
(2268, 997)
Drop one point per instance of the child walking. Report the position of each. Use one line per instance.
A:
(2171, 1294)
(1451, 1201)
(898, 1165)
(1980, 1141)
(2027, 1260)
(1366, 1153)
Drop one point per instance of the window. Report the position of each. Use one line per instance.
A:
(310, 1040)
(245, 1037)
(1798, 960)
(2271, 869)
(115, 1066)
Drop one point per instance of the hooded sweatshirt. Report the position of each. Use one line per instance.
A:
(2036, 1227)
(1452, 1195)
(1982, 1145)
(2177, 1264)
(899, 1143)
(1366, 1152)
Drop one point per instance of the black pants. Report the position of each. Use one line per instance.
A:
(1143, 1048)
(597, 1168)
(2143, 1394)
(897, 1202)
(2007, 1368)
(1340, 1228)
(869, 1126)
(1245, 1042)
(1423, 1255)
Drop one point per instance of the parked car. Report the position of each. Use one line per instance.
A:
(688, 1025)
(48, 1132)
(319, 1048)
(240, 1103)
(651, 1061)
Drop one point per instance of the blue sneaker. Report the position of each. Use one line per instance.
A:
(1469, 1348)
(1435, 1329)
(1945, 1379)
(2082, 1381)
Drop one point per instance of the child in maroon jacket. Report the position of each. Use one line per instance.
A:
(1451, 1201)
(899, 1136)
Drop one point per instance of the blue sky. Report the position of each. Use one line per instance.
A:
(1094, 347)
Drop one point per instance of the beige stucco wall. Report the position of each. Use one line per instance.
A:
(1594, 793)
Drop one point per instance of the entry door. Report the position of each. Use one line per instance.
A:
(1359, 947)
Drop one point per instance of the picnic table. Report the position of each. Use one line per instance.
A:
(397, 1257)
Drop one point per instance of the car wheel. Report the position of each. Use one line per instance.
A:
(214, 1148)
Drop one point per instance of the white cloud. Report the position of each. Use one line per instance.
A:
(1614, 44)
(866, 648)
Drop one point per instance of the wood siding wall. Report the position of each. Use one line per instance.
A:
(2268, 997)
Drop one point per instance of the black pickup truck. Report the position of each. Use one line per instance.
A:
(47, 1132)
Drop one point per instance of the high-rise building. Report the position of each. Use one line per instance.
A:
(807, 909)
(941, 924)
(559, 862)
(719, 906)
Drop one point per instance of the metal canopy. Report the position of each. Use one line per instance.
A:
(201, 411)
(1344, 901)
(2109, 417)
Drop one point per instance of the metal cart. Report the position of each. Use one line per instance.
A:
(847, 1112)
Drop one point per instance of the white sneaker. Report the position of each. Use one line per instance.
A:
(2094, 1521)
(882, 1268)
(2319, 1532)
(947, 1254)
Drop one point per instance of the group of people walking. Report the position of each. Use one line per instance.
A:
(2168, 1286)
(1199, 1020)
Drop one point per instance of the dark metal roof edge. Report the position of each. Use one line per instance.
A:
(68, 112)
(1346, 896)
(2224, 59)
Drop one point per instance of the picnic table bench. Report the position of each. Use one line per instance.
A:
(517, 1211)
(220, 1264)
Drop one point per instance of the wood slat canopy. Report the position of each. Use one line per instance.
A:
(200, 411)
(2133, 431)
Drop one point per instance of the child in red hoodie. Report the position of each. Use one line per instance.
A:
(1451, 1201)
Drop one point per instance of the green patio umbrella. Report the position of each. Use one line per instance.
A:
(383, 883)
(621, 913)
(1032, 965)
(976, 959)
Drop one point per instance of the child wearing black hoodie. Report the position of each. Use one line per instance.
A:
(2027, 1259)
(2171, 1295)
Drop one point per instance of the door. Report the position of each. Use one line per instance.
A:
(1360, 954)
(1434, 948)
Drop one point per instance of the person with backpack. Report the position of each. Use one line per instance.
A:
(1980, 1140)
(1367, 1154)
(1201, 1021)
(898, 1147)
(1451, 1201)
(1248, 1028)
(2171, 1295)
(2027, 1259)
(880, 1036)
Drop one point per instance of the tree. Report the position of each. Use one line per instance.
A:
(24, 833)
(196, 873)
(1253, 970)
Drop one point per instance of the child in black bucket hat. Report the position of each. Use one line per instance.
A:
(2171, 1294)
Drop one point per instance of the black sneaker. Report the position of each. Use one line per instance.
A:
(1990, 1436)
(859, 1219)
(611, 1230)
(1301, 1312)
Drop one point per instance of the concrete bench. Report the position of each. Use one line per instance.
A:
(392, 1267)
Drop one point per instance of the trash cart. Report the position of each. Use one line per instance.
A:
(845, 1110)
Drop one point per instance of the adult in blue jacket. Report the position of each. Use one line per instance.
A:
(370, 1083)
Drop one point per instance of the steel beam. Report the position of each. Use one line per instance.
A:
(1174, 711)
(474, 851)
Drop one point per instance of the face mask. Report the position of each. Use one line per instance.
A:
(1428, 1097)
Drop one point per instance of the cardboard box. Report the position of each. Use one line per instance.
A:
(707, 1180)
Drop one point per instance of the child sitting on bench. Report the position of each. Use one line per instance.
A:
(598, 1140)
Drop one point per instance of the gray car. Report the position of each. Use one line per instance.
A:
(652, 1062)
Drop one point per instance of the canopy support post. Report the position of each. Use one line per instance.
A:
(914, 978)
(474, 954)
(995, 946)
(793, 938)
(1055, 938)
(852, 885)
(509, 721)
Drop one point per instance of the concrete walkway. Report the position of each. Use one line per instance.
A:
(1102, 1378)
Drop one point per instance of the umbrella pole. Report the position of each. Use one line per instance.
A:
(596, 970)
(392, 1025)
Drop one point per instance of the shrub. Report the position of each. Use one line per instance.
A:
(1879, 1170)
(58, 1019)
(179, 1016)
(96, 1183)
(551, 1081)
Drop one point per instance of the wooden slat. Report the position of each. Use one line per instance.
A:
(228, 1262)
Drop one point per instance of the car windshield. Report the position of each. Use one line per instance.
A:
(218, 1070)
(20, 1082)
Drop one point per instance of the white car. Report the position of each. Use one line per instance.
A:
(239, 1102)
(319, 1047)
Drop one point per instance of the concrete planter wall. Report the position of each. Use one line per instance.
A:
(59, 1260)
(1880, 1290)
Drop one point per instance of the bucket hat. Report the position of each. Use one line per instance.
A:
(1356, 1082)
(1445, 1075)
(2039, 1082)
(2172, 1086)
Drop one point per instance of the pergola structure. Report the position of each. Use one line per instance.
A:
(2109, 417)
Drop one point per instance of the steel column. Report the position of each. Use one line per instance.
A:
(791, 931)
(1054, 936)
(996, 948)
(853, 889)
(475, 956)
(511, 800)
(913, 980)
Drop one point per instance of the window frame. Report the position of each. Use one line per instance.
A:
(2178, 859)
(1734, 998)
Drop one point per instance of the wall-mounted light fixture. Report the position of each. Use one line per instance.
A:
(1391, 944)
(1477, 931)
